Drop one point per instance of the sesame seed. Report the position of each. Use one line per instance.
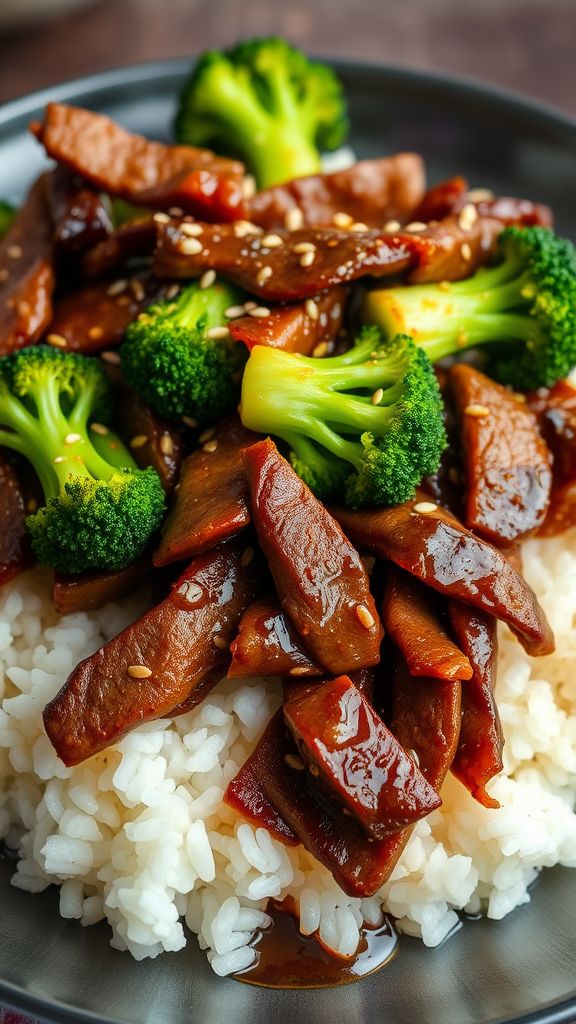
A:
(99, 428)
(139, 671)
(245, 227)
(139, 441)
(412, 753)
(294, 762)
(207, 279)
(477, 411)
(304, 247)
(294, 219)
(466, 252)
(358, 227)
(272, 241)
(480, 195)
(342, 220)
(206, 435)
(137, 289)
(72, 438)
(250, 305)
(468, 216)
(32, 505)
(425, 506)
(166, 444)
(416, 225)
(392, 225)
(190, 247)
(172, 291)
(377, 396)
(217, 334)
(117, 287)
(311, 308)
(189, 421)
(191, 591)
(248, 186)
(263, 274)
(299, 670)
(59, 458)
(233, 312)
(314, 770)
(57, 341)
(210, 446)
(320, 349)
(365, 618)
(307, 259)
(95, 333)
(247, 556)
(161, 218)
(191, 229)
(220, 643)
(14, 252)
(260, 312)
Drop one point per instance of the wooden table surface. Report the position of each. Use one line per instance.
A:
(526, 45)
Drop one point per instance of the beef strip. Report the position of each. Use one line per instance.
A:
(320, 578)
(267, 645)
(155, 664)
(15, 553)
(479, 754)
(95, 317)
(246, 796)
(355, 758)
(27, 272)
(363, 680)
(211, 503)
(141, 171)
(436, 548)
(90, 590)
(441, 200)
(556, 411)
(370, 192)
(412, 618)
(153, 441)
(507, 464)
(80, 216)
(299, 327)
(133, 240)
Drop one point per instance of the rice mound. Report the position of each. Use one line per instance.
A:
(139, 835)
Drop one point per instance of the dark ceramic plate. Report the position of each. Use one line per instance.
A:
(520, 969)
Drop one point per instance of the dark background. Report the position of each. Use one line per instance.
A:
(526, 45)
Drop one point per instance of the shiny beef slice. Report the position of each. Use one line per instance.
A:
(90, 590)
(411, 616)
(80, 216)
(141, 171)
(211, 502)
(15, 555)
(27, 272)
(436, 548)
(310, 327)
(507, 464)
(157, 663)
(478, 757)
(556, 412)
(267, 645)
(320, 579)
(357, 760)
(369, 192)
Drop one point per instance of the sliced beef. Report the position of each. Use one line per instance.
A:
(155, 664)
(90, 590)
(132, 240)
(152, 440)
(370, 192)
(320, 579)
(555, 409)
(268, 645)
(479, 754)
(15, 553)
(507, 464)
(426, 719)
(441, 200)
(27, 272)
(436, 548)
(143, 172)
(412, 618)
(80, 215)
(211, 503)
(356, 759)
(306, 327)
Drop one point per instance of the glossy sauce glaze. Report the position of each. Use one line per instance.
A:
(287, 959)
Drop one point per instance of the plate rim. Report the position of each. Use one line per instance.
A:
(98, 84)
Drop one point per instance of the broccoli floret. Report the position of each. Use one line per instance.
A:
(100, 508)
(523, 309)
(365, 426)
(7, 215)
(170, 360)
(266, 102)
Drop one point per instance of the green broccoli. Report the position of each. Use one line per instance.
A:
(266, 102)
(523, 309)
(365, 426)
(7, 215)
(100, 508)
(170, 359)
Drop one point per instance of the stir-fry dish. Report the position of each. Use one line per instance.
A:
(280, 448)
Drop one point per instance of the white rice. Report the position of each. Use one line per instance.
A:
(139, 835)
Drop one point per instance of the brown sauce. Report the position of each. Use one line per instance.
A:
(287, 959)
